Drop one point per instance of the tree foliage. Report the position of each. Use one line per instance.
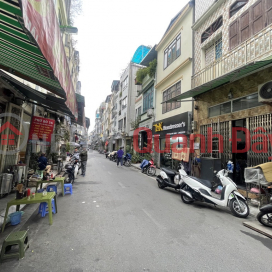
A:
(150, 70)
(75, 10)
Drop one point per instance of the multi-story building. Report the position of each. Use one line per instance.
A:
(114, 114)
(232, 81)
(126, 98)
(173, 77)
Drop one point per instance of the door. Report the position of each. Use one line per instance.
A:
(239, 159)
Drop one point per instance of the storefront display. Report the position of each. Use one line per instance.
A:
(172, 126)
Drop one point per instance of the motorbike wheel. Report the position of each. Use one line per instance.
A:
(186, 199)
(128, 163)
(160, 185)
(151, 171)
(265, 219)
(235, 208)
(68, 178)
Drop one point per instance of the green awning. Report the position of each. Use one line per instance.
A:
(80, 99)
(240, 72)
(55, 103)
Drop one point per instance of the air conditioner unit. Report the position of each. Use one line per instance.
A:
(265, 92)
(150, 113)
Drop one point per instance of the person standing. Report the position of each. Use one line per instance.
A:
(120, 154)
(84, 157)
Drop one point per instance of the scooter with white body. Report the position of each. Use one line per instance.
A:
(195, 189)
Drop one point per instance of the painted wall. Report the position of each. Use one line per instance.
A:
(180, 69)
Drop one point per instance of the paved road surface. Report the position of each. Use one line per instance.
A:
(119, 220)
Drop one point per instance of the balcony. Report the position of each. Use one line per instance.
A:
(256, 48)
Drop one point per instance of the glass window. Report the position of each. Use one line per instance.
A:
(214, 111)
(218, 49)
(211, 29)
(234, 8)
(247, 102)
(148, 99)
(168, 94)
(225, 108)
(172, 52)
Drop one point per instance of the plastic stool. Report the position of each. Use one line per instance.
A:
(40, 172)
(52, 188)
(43, 208)
(68, 188)
(16, 238)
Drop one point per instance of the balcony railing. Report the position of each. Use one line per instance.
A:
(256, 48)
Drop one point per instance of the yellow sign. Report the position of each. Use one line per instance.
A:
(158, 127)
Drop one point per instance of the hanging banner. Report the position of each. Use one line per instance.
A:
(41, 21)
(41, 130)
(182, 154)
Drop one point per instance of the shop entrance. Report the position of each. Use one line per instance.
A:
(239, 159)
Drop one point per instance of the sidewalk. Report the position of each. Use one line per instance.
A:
(12, 209)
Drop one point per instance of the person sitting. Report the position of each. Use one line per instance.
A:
(43, 164)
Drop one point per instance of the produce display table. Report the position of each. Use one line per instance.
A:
(39, 198)
(57, 179)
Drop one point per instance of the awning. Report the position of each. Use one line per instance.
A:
(81, 112)
(31, 47)
(55, 103)
(240, 72)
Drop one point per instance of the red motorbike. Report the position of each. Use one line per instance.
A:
(149, 168)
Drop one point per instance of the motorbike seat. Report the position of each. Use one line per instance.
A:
(205, 182)
(169, 172)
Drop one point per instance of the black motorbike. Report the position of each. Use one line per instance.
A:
(265, 215)
(69, 173)
(168, 178)
(107, 154)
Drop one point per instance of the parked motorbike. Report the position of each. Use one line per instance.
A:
(113, 156)
(196, 189)
(265, 215)
(127, 160)
(168, 178)
(148, 167)
(69, 173)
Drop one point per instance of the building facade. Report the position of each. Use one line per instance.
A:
(173, 77)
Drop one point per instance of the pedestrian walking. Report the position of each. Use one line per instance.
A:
(120, 154)
(84, 157)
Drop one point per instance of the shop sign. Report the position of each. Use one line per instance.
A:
(173, 125)
(41, 130)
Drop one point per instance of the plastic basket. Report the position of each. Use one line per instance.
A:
(15, 218)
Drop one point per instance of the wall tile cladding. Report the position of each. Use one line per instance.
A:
(224, 30)
(240, 88)
(201, 6)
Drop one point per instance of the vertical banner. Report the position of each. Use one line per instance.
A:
(41, 130)
(41, 21)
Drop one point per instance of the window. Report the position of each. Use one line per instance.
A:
(250, 22)
(125, 121)
(172, 52)
(120, 124)
(124, 83)
(168, 94)
(234, 8)
(247, 102)
(242, 103)
(124, 103)
(211, 29)
(214, 52)
(139, 111)
(148, 99)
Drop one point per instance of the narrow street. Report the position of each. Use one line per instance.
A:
(119, 220)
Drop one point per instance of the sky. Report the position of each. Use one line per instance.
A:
(109, 32)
